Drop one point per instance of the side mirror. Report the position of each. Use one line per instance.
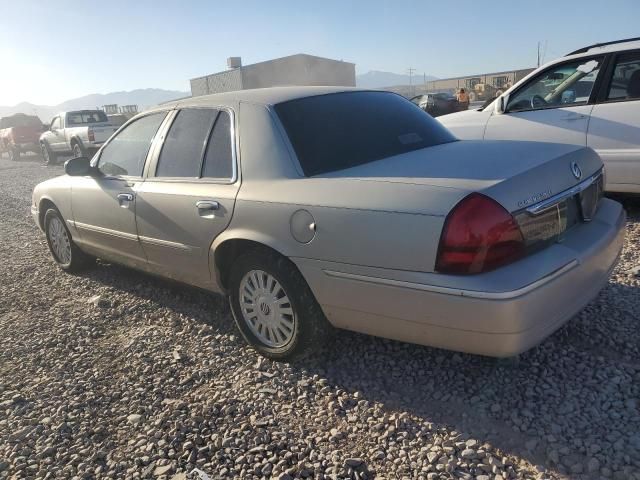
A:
(501, 104)
(78, 167)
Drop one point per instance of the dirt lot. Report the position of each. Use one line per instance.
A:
(150, 380)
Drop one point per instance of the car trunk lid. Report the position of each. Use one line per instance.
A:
(516, 174)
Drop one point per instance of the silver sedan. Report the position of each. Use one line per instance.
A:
(313, 208)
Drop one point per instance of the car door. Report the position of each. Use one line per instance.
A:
(104, 204)
(56, 134)
(614, 129)
(189, 194)
(554, 106)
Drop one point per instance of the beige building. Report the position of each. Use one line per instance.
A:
(300, 69)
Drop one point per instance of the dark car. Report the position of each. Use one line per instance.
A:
(436, 104)
(19, 133)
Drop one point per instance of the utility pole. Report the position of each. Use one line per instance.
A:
(411, 70)
(538, 54)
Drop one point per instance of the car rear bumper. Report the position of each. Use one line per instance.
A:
(547, 289)
(27, 146)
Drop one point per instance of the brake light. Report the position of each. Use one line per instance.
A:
(92, 136)
(478, 235)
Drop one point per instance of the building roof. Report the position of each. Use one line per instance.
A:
(262, 96)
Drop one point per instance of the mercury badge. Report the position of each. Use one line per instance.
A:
(575, 169)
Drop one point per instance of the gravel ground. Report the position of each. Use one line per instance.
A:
(115, 374)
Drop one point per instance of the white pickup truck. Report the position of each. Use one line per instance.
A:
(79, 133)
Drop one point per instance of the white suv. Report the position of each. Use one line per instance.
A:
(589, 97)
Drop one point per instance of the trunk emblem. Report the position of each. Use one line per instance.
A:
(575, 169)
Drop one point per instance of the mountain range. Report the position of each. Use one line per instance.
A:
(149, 97)
(144, 98)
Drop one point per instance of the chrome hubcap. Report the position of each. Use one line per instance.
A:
(60, 243)
(266, 308)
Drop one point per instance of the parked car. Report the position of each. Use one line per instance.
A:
(436, 104)
(78, 133)
(312, 207)
(19, 134)
(591, 98)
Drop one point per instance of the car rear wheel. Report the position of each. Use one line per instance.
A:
(78, 151)
(48, 156)
(62, 247)
(274, 308)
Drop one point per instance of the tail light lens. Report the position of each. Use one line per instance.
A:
(92, 136)
(478, 235)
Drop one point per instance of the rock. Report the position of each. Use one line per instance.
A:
(468, 453)
(134, 419)
(162, 470)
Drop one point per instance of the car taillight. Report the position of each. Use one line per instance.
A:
(478, 235)
(92, 136)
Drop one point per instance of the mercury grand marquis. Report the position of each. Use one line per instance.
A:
(318, 207)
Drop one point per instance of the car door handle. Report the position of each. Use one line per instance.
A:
(207, 205)
(125, 197)
(574, 116)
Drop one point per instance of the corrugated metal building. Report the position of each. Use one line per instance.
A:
(300, 69)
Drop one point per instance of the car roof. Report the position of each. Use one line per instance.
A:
(261, 96)
(608, 47)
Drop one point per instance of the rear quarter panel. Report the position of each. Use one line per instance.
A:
(362, 237)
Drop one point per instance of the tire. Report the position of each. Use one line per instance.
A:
(49, 157)
(62, 247)
(300, 329)
(14, 154)
(78, 150)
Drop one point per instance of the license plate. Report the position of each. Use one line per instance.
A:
(588, 200)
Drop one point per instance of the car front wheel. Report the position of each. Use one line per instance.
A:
(274, 308)
(48, 156)
(62, 247)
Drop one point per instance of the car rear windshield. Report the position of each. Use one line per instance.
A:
(20, 121)
(88, 116)
(341, 130)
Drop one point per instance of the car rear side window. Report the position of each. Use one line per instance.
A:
(341, 130)
(218, 162)
(126, 153)
(625, 84)
(182, 152)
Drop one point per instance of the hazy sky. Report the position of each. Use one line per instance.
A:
(51, 51)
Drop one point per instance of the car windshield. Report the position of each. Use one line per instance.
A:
(341, 130)
(20, 121)
(80, 118)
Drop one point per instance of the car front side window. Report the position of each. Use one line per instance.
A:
(125, 154)
(561, 85)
